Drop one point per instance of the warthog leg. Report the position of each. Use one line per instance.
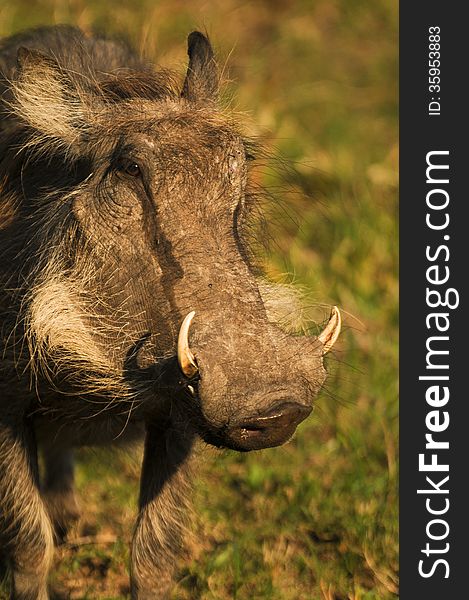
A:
(58, 489)
(25, 530)
(160, 529)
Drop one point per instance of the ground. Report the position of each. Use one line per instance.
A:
(316, 518)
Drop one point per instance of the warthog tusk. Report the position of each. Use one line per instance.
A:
(186, 359)
(330, 334)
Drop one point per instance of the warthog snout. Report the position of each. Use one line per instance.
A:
(252, 391)
(272, 428)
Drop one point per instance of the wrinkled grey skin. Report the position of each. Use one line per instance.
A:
(123, 201)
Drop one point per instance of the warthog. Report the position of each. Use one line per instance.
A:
(129, 303)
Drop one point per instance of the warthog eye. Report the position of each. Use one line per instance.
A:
(131, 169)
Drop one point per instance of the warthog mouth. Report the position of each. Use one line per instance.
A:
(268, 430)
(271, 428)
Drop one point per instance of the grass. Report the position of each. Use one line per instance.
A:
(316, 518)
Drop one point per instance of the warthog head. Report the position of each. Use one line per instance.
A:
(141, 276)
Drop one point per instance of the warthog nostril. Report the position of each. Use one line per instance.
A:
(281, 415)
(271, 428)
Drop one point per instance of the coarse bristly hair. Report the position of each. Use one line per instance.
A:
(54, 103)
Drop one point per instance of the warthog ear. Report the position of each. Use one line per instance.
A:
(47, 99)
(202, 79)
